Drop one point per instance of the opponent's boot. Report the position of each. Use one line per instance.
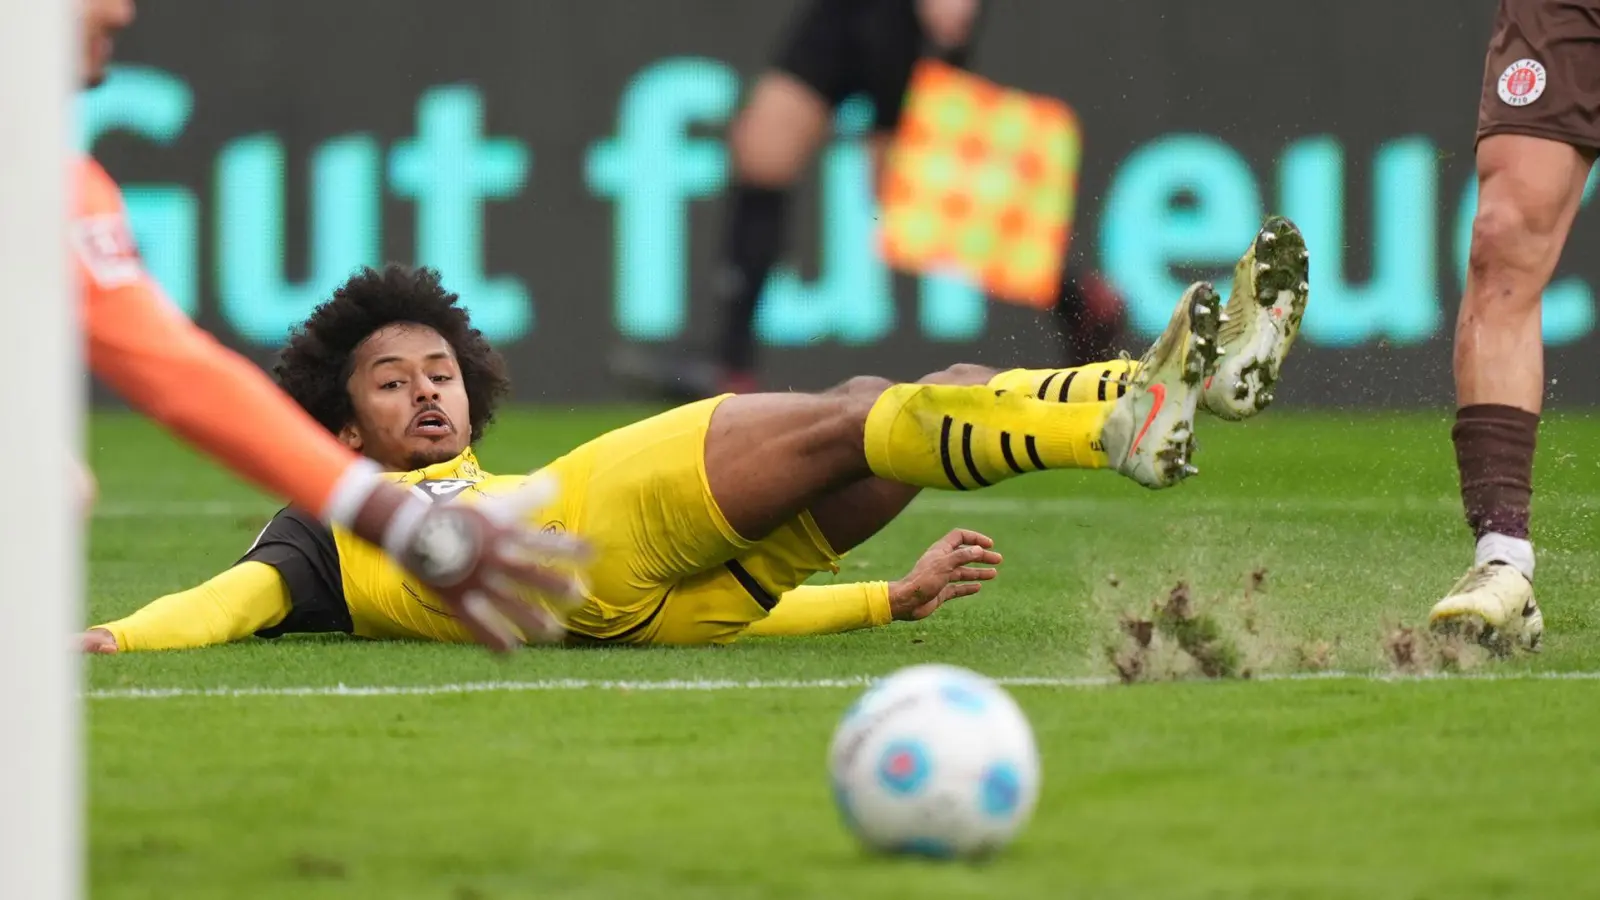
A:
(1492, 604)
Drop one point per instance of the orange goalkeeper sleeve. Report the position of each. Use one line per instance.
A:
(142, 346)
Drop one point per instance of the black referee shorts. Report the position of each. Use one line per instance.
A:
(845, 47)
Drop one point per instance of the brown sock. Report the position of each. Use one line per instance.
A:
(1494, 453)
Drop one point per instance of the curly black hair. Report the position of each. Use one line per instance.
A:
(317, 361)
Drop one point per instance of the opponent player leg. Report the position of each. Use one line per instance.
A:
(770, 456)
(1528, 193)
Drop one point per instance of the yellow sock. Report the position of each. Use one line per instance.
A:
(942, 436)
(1093, 383)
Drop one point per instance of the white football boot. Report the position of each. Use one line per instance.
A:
(1261, 321)
(1492, 604)
(1150, 433)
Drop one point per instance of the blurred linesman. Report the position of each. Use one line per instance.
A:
(477, 560)
(833, 50)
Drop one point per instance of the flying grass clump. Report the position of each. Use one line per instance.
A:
(1183, 638)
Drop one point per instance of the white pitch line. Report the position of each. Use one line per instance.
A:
(180, 509)
(961, 504)
(701, 685)
(958, 504)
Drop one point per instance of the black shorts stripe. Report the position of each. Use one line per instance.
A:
(1122, 385)
(1044, 388)
(761, 595)
(1033, 453)
(966, 454)
(1105, 377)
(1066, 386)
(1005, 450)
(944, 454)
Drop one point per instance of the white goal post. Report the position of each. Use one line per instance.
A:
(40, 556)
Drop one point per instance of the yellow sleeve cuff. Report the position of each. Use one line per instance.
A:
(826, 609)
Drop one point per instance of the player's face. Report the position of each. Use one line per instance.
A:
(410, 403)
(102, 19)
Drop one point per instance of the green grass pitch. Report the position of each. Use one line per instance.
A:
(1355, 786)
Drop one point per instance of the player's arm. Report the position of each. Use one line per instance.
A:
(953, 567)
(290, 581)
(232, 606)
(826, 609)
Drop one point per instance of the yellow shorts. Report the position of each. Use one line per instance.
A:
(669, 569)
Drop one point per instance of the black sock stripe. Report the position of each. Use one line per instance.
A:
(1033, 453)
(1067, 385)
(1045, 387)
(944, 454)
(1122, 385)
(1105, 377)
(966, 454)
(1005, 450)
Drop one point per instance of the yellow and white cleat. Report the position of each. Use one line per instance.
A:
(1492, 604)
(1149, 436)
(1261, 321)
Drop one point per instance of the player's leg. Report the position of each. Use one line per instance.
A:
(1536, 140)
(704, 486)
(1529, 191)
(770, 456)
(850, 515)
(1270, 278)
(785, 118)
(1268, 299)
(771, 144)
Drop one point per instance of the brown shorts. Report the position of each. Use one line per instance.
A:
(1542, 73)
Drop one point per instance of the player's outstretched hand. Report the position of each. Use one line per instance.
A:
(97, 640)
(954, 567)
(484, 559)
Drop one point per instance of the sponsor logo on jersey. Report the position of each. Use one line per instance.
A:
(105, 245)
(442, 488)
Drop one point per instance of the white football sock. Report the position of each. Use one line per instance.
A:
(1514, 552)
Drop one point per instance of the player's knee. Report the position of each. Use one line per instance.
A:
(772, 139)
(767, 159)
(962, 374)
(1496, 228)
(1518, 227)
(1507, 244)
(761, 158)
(866, 386)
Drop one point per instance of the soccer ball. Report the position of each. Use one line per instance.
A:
(937, 761)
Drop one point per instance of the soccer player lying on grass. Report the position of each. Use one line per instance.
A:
(707, 520)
